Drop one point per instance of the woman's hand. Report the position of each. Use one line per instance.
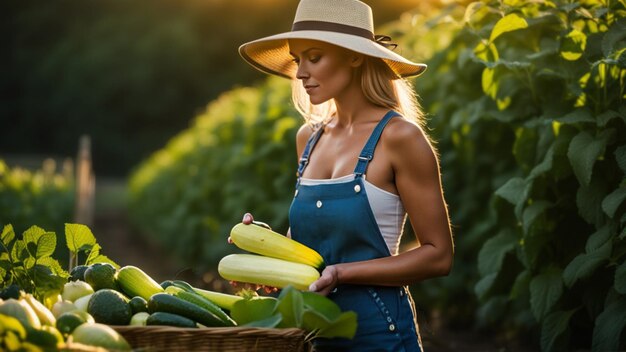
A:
(247, 220)
(327, 281)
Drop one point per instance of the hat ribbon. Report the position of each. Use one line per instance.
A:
(385, 41)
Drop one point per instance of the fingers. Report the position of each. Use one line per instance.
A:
(326, 282)
(247, 219)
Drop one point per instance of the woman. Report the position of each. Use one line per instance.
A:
(365, 164)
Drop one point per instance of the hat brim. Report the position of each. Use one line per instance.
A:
(271, 54)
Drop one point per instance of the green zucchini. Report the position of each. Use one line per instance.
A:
(202, 302)
(222, 300)
(163, 302)
(170, 319)
(134, 282)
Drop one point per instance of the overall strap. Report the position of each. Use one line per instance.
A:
(368, 151)
(310, 144)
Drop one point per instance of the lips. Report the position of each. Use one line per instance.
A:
(310, 87)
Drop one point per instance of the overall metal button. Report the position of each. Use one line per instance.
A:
(357, 188)
(319, 204)
(392, 327)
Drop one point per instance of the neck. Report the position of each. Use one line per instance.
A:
(353, 106)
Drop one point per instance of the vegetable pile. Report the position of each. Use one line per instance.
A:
(44, 306)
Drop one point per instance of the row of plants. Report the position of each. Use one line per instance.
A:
(44, 196)
(525, 101)
(528, 108)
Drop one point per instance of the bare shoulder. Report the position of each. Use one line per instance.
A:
(408, 145)
(304, 133)
(401, 134)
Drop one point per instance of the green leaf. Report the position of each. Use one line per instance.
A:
(78, 237)
(250, 310)
(553, 327)
(545, 165)
(321, 304)
(573, 45)
(33, 234)
(599, 238)
(515, 190)
(46, 245)
(290, 306)
(609, 326)
(521, 285)
(46, 281)
(101, 258)
(54, 266)
(344, 326)
(613, 201)
(620, 278)
(583, 265)
(484, 284)
(8, 235)
(583, 152)
(611, 39)
(577, 116)
(270, 322)
(589, 201)
(545, 290)
(607, 116)
(508, 23)
(532, 212)
(492, 253)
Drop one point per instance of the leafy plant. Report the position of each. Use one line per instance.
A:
(528, 104)
(28, 260)
(310, 311)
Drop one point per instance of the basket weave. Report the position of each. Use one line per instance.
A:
(229, 339)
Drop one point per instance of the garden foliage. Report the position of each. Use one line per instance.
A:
(44, 196)
(526, 103)
(239, 156)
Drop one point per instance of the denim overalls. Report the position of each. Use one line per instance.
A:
(337, 221)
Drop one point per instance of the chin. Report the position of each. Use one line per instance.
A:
(317, 101)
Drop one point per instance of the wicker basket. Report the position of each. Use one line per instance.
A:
(166, 338)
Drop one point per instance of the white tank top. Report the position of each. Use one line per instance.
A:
(386, 206)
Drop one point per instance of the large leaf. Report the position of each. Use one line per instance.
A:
(585, 264)
(290, 306)
(483, 285)
(577, 116)
(573, 45)
(344, 326)
(79, 237)
(613, 201)
(554, 326)
(589, 201)
(583, 152)
(322, 305)
(545, 290)
(532, 212)
(8, 235)
(493, 252)
(609, 326)
(250, 310)
(508, 23)
(515, 190)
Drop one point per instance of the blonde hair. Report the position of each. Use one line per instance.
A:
(380, 85)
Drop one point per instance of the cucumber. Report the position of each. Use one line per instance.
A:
(202, 302)
(170, 319)
(163, 302)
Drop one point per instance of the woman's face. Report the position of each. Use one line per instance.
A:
(326, 70)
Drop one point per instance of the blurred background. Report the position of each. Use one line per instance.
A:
(140, 120)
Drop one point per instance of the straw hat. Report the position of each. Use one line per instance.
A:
(345, 23)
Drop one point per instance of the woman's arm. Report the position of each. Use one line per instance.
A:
(418, 181)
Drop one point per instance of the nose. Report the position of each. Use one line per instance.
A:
(302, 73)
